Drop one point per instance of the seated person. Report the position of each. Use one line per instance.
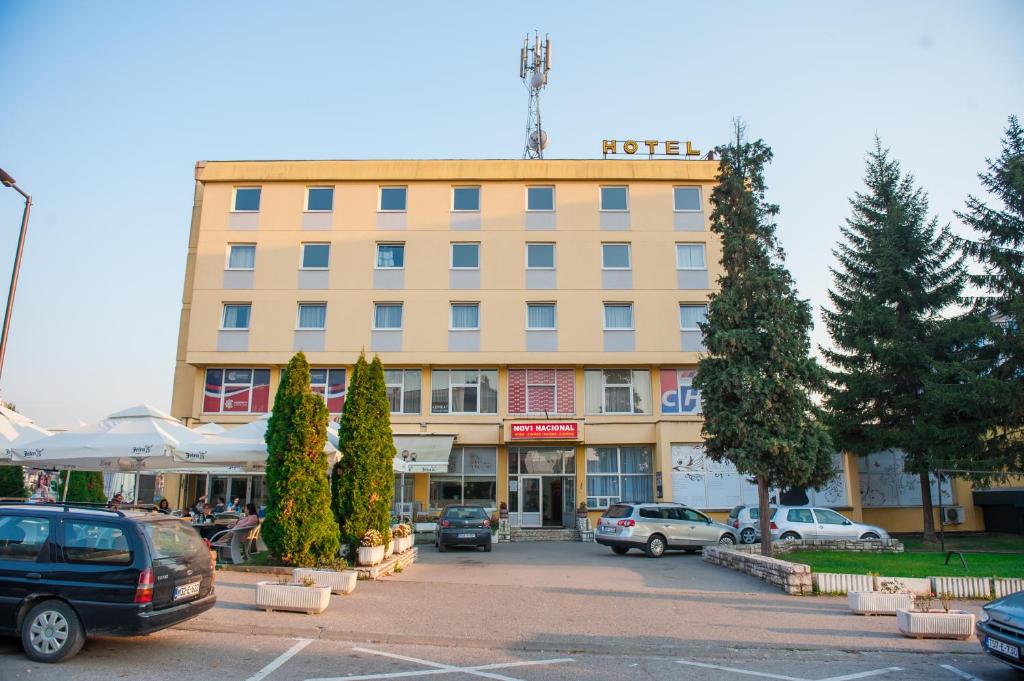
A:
(164, 507)
(221, 506)
(251, 518)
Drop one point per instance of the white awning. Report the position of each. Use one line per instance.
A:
(422, 453)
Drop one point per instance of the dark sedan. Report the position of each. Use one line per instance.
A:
(1001, 629)
(463, 526)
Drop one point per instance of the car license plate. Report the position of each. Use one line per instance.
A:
(186, 590)
(1004, 648)
(606, 528)
(466, 535)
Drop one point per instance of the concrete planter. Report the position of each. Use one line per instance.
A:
(389, 549)
(412, 540)
(339, 581)
(919, 585)
(370, 555)
(956, 624)
(876, 603)
(402, 544)
(311, 600)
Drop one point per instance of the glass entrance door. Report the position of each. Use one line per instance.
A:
(530, 500)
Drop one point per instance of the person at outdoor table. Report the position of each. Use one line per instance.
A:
(197, 508)
(221, 506)
(236, 505)
(116, 501)
(251, 518)
(164, 507)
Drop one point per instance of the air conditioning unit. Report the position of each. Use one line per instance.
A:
(952, 515)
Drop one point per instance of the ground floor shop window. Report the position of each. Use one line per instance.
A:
(617, 474)
(471, 479)
(542, 486)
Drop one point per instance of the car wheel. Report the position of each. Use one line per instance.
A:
(487, 547)
(748, 536)
(790, 536)
(656, 546)
(441, 548)
(870, 535)
(727, 540)
(51, 632)
(620, 550)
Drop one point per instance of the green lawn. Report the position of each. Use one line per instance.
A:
(911, 564)
(969, 542)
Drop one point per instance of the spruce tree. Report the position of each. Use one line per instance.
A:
(84, 486)
(904, 377)
(757, 376)
(1000, 304)
(298, 528)
(12, 482)
(364, 479)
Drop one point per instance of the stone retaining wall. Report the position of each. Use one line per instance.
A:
(793, 578)
(855, 545)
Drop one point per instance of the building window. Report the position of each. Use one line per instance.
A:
(312, 316)
(247, 199)
(316, 256)
(687, 199)
(403, 388)
(319, 199)
(241, 256)
(465, 256)
(390, 256)
(242, 391)
(466, 199)
(540, 198)
(618, 316)
(615, 257)
(541, 391)
(540, 316)
(617, 391)
(692, 315)
(690, 257)
(330, 384)
(387, 316)
(540, 256)
(236, 315)
(464, 391)
(471, 479)
(465, 316)
(617, 474)
(614, 198)
(392, 199)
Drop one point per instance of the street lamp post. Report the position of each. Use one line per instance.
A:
(8, 181)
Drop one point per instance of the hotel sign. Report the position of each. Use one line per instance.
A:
(545, 430)
(649, 147)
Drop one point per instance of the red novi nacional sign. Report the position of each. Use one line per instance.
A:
(541, 430)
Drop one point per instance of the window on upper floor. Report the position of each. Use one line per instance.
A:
(686, 199)
(540, 198)
(540, 316)
(690, 316)
(247, 199)
(316, 256)
(464, 391)
(403, 388)
(241, 256)
(540, 256)
(615, 257)
(465, 256)
(390, 256)
(466, 199)
(690, 257)
(245, 391)
(387, 316)
(618, 316)
(236, 316)
(541, 391)
(465, 317)
(312, 316)
(329, 383)
(392, 199)
(319, 199)
(617, 391)
(615, 198)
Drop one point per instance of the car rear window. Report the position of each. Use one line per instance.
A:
(735, 512)
(91, 542)
(755, 512)
(465, 513)
(173, 539)
(619, 511)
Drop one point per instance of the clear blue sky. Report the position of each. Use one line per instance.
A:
(106, 106)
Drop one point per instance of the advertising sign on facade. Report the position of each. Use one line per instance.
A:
(545, 430)
(678, 396)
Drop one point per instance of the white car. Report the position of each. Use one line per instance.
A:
(806, 522)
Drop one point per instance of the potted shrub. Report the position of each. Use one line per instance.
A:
(389, 543)
(371, 548)
(891, 596)
(582, 521)
(925, 622)
(401, 541)
(333, 575)
(411, 536)
(304, 596)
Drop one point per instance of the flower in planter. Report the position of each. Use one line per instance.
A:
(923, 602)
(893, 586)
(946, 598)
(372, 538)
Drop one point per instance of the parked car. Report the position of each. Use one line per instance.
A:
(67, 572)
(463, 525)
(1000, 629)
(746, 520)
(656, 528)
(804, 522)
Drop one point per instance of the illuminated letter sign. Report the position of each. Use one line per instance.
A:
(631, 147)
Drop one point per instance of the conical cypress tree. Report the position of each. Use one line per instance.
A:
(757, 375)
(12, 482)
(298, 527)
(903, 376)
(364, 479)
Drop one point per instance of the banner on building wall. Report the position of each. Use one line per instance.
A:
(678, 396)
(545, 430)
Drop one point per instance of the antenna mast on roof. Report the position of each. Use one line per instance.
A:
(534, 64)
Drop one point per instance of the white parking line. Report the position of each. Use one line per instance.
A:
(962, 674)
(440, 668)
(281, 659)
(781, 677)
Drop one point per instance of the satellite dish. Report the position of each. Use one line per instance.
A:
(537, 80)
(543, 140)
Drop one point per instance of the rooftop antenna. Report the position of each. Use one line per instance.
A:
(534, 64)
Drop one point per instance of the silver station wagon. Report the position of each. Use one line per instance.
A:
(656, 528)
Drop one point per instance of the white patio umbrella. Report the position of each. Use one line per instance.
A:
(244, 446)
(17, 430)
(210, 429)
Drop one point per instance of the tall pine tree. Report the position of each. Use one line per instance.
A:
(757, 377)
(1000, 304)
(299, 528)
(364, 480)
(904, 375)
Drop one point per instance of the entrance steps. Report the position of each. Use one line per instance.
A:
(545, 534)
